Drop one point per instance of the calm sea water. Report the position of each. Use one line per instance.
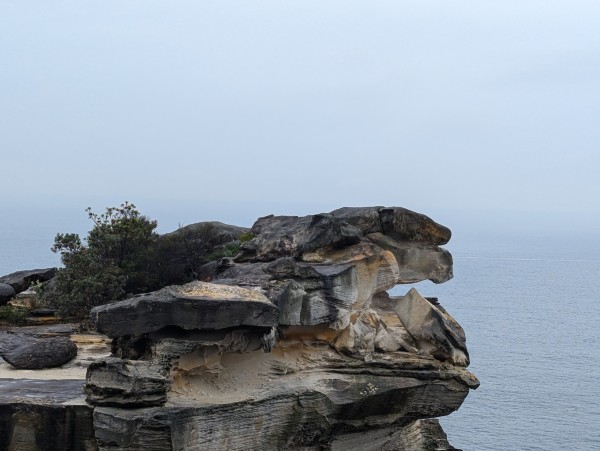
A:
(531, 311)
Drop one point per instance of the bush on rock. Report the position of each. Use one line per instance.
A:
(116, 260)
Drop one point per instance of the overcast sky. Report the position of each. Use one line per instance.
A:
(230, 110)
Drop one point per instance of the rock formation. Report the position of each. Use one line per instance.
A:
(22, 280)
(293, 343)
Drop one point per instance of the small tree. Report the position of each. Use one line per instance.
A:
(116, 261)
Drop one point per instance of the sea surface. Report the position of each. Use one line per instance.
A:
(530, 307)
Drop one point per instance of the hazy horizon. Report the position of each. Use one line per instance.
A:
(475, 114)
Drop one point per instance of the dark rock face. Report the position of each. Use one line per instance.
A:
(418, 435)
(417, 262)
(120, 383)
(192, 306)
(399, 223)
(291, 236)
(21, 280)
(29, 353)
(43, 427)
(6, 293)
(40, 415)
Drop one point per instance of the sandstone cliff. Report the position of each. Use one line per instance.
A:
(292, 344)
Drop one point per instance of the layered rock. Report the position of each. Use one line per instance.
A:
(291, 344)
(196, 305)
(42, 416)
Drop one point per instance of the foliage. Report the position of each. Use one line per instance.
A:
(123, 255)
(229, 250)
(246, 236)
(17, 316)
(181, 254)
(116, 260)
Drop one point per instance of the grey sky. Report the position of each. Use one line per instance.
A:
(234, 109)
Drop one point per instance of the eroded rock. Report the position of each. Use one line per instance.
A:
(122, 383)
(432, 328)
(292, 344)
(301, 395)
(417, 262)
(197, 305)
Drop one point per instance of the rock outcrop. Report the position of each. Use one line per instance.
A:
(293, 343)
(122, 383)
(196, 305)
(22, 280)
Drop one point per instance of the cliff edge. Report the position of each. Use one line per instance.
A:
(294, 343)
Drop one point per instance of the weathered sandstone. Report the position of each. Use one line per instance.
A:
(294, 343)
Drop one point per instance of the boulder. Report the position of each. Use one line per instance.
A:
(6, 293)
(29, 353)
(291, 236)
(125, 383)
(22, 280)
(432, 328)
(399, 223)
(196, 305)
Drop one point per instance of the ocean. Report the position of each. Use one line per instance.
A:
(530, 307)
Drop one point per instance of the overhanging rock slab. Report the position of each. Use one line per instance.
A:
(196, 305)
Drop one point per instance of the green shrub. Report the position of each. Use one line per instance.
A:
(229, 250)
(116, 260)
(17, 316)
(246, 236)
